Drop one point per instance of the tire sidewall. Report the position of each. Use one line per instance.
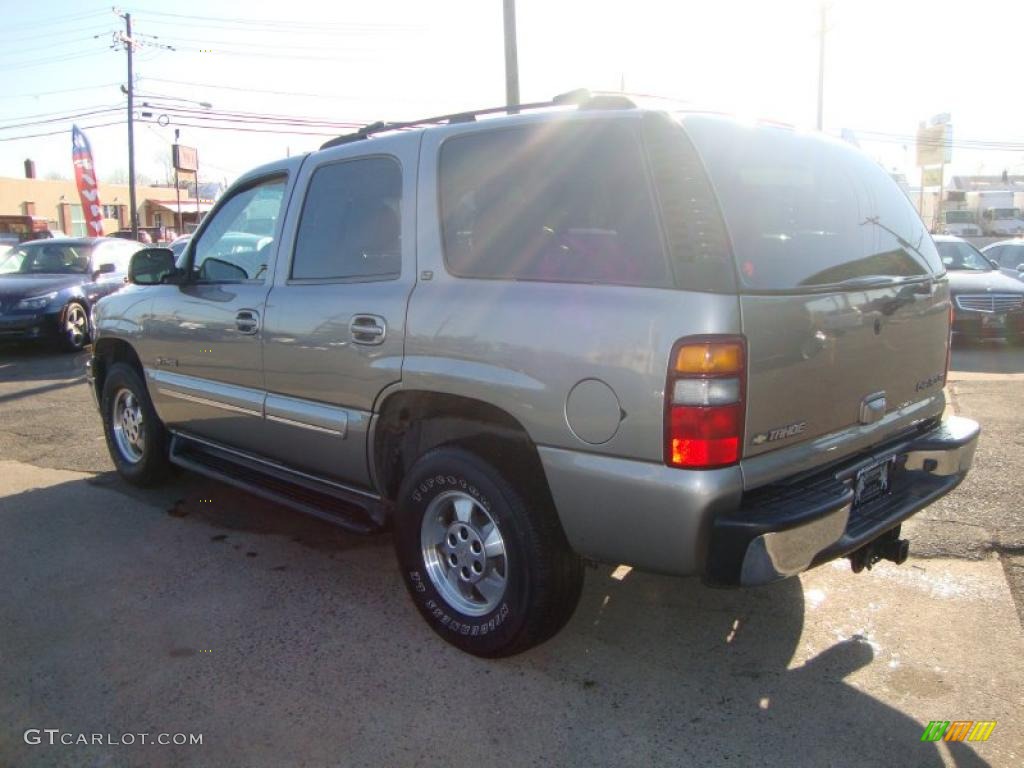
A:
(439, 472)
(153, 459)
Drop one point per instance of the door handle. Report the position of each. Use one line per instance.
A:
(368, 329)
(247, 321)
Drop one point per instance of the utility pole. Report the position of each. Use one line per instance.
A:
(511, 57)
(129, 45)
(821, 69)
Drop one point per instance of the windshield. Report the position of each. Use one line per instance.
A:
(1006, 213)
(47, 258)
(959, 217)
(962, 256)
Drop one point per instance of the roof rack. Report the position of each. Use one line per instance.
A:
(581, 98)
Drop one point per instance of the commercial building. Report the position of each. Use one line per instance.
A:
(57, 202)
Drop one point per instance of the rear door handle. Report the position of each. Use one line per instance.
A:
(368, 329)
(247, 321)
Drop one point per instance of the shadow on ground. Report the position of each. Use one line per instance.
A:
(318, 656)
(988, 356)
(42, 360)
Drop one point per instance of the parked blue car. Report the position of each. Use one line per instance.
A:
(47, 287)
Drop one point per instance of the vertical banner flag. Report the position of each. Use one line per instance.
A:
(85, 178)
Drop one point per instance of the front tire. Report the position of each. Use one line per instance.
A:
(487, 566)
(74, 327)
(136, 438)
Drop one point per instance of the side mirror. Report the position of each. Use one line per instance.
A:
(151, 266)
(1020, 268)
(104, 269)
(994, 263)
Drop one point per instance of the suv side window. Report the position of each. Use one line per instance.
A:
(350, 225)
(235, 245)
(560, 203)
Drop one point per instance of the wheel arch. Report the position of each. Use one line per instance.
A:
(106, 352)
(409, 423)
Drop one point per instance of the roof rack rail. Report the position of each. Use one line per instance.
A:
(581, 97)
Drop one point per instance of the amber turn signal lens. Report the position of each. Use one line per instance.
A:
(710, 358)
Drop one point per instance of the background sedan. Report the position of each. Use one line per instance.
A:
(986, 303)
(47, 287)
(1009, 254)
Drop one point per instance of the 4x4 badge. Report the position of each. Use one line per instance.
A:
(781, 433)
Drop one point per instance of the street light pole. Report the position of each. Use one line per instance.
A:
(511, 57)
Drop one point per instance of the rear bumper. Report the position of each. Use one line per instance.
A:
(786, 528)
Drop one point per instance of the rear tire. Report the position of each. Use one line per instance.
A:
(488, 567)
(136, 439)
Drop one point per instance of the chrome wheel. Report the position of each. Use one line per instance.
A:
(76, 325)
(129, 430)
(464, 553)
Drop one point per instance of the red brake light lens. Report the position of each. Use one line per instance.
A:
(705, 437)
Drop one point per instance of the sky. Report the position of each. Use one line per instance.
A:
(211, 68)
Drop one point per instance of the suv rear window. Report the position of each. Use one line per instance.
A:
(553, 202)
(807, 213)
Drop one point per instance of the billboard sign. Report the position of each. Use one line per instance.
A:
(934, 144)
(185, 158)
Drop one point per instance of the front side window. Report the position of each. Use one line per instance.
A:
(351, 224)
(552, 202)
(236, 245)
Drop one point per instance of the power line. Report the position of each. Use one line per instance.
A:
(62, 130)
(63, 112)
(91, 31)
(278, 24)
(964, 143)
(33, 124)
(55, 20)
(257, 130)
(263, 53)
(52, 93)
(55, 60)
(245, 90)
(227, 115)
(262, 46)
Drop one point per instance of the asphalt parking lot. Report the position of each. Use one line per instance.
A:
(197, 609)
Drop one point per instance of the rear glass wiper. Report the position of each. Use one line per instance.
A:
(876, 220)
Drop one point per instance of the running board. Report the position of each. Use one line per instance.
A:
(356, 511)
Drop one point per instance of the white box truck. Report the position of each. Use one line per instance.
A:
(997, 214)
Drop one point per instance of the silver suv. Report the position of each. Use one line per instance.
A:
(681, 342)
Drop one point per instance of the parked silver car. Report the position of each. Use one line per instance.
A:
(685, 343)
(1009, 255)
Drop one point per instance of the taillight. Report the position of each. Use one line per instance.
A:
(704, 402)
